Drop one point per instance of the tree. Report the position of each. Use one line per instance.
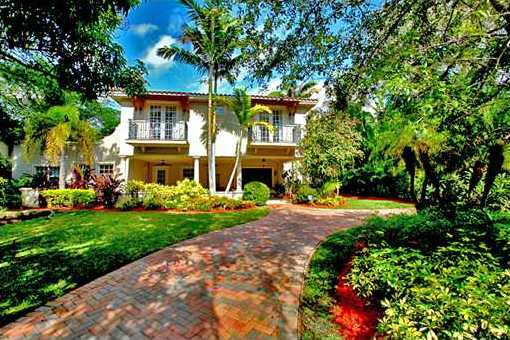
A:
(72, 122)
(70, 41)
(440, 67)
(215, 38)
(302, 91)
(330, 146)
(240, 104)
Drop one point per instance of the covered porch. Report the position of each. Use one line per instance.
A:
(168, 169)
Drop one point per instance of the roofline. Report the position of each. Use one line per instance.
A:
(161, 94)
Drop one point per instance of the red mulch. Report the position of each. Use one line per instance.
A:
(357, 319)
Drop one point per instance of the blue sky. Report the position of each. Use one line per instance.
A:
(151, 25)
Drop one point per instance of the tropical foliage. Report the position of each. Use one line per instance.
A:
(302, 91)
(433, 276)
(428, 80)
(76, 121)
(331, 145)
(71, 42)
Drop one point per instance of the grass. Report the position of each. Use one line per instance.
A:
(44, 258)
(359, 203)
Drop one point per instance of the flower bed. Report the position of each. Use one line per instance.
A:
(185, 196)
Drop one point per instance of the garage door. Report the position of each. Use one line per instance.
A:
(263, 175)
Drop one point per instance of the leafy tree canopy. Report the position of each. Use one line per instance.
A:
(71, 41)
(331, 145)
(433, 74)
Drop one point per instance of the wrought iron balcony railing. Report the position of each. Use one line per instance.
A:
(289, 134)
(158, 131)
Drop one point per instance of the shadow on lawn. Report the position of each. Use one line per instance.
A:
(240, 282)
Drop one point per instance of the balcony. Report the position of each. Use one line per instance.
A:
(145, 130)
(286, 134)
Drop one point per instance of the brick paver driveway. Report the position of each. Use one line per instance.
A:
(239, 283)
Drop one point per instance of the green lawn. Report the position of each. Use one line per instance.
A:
(44, 258)
(354, 203)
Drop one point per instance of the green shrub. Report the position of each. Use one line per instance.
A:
(69, 197)
(331, 202)
(151, 202)
(207, 203)
(127, 203)
(329, 189)
(429, 272)
(306, 194)
(134, 188)
(499, 197)
(257, 192)
(174, 197)
(456, 291)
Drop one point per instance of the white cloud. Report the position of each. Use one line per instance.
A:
(151, 57)
(272, 85)
(142, 29)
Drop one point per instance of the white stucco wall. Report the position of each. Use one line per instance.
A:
(114, 149)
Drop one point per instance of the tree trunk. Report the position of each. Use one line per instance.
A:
(236, 164)
(476, 177)
(423, 195)
(496, 159)
(410, 160)
(62, 172)
(430, 174)
(210, 146)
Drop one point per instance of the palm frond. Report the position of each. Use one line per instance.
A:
(56, 142)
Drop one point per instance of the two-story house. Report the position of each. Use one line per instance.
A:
(161, 139)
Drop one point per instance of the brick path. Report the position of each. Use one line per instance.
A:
(239, 283)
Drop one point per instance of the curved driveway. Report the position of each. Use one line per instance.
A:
(238, 283)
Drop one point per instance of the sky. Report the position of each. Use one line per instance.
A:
(156, 23)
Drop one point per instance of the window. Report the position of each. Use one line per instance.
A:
(52, 171)
(278, 125)
(170, 122)
(188, 173)
(292, 117)
(47, 175)
(105, 168)
(155, 122)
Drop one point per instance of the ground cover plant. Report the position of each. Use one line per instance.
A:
(44, 258)
(431, 275)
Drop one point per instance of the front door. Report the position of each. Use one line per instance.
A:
(264, 175)
(160, 175)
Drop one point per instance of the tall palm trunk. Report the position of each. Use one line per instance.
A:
(236, 164)
(211, 159)
(210, 146)
(62, 172)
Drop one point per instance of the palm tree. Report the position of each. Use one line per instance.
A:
(52, 130)
(215, 38)
(240, 104)
(302, 91)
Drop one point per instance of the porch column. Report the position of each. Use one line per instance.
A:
(125, 169)
(196, 169)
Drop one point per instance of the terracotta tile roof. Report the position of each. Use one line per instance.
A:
(120, 93)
